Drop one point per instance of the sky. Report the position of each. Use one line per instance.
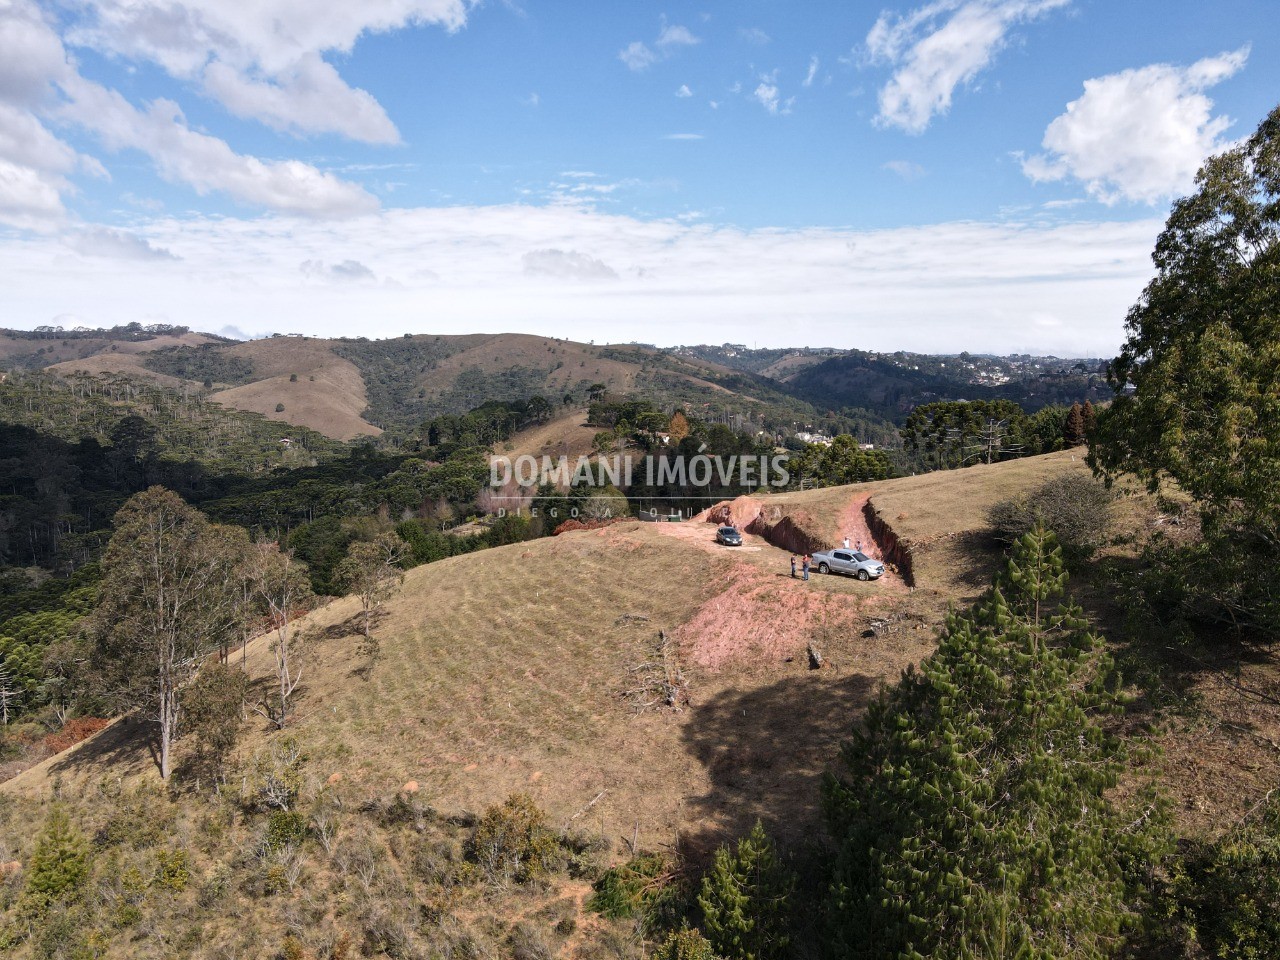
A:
(983, 175)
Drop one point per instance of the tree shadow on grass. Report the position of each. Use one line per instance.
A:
(765, 751)
(131, 743)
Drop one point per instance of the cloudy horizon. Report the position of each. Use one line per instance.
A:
(983, 175)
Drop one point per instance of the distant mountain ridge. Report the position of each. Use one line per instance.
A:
(352, 387)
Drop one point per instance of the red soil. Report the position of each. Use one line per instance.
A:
(762, 614)
(760, 617)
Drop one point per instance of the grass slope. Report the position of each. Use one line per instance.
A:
(506, 671)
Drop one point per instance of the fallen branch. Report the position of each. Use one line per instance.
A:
(660, 679)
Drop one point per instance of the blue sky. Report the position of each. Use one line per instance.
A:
(980, 174)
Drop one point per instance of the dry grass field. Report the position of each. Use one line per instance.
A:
(328, 395)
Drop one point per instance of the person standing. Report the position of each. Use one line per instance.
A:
(846, 543)
(804, 565)
(793, 566)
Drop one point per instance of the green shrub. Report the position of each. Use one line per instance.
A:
(173, 870)
(976, 814)
(512, 842)
(1231, 890)
(745, 900)
(1075, 507)
(59, 866)
(126, 914)
(285, 828)
(685, 944)
(643, 888)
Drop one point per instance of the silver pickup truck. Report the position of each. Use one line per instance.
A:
(848, 561)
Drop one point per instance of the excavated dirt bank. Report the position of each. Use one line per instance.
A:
(795, 529)
(789, 530)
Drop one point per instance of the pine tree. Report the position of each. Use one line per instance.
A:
(1090, 416)
(1073, 427)
(59, 866)
(744, 900)
(972, 819)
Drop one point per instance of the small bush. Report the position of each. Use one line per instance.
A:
(527, 944)
(59, 866)
(643, 888)
(173, 870)
(285, 828)
(513, 842)
(685, 944)
(1075, 507)
(279, 408)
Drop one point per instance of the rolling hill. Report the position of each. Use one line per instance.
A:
(351, 388)
(520, 670)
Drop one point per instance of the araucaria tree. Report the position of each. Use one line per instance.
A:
(1201, 360)
(972, 817)
(745, 900)
(371, 570)
(167, 601)
(283, 588)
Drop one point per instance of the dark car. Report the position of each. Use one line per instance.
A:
(729, 536)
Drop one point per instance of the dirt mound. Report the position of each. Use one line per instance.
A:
(738, 513)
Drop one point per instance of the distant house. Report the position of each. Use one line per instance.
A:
(821, 439)
(286, 442)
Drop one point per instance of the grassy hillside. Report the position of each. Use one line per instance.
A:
(515, 671)
(350, 388)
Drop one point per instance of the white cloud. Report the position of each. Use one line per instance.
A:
(31, 55)
(938, 47)
(769, 97)
(684, 91)
(906, 169)
(566, 265)
(29, 199)
(673, 35)
(262, 59)
(346, 271)
(1138, 135)
(532, 100)
(37, 164)
(754, 35)
(206, 163)
(813, 71)
(309, 98)
(34, 164)
(114, 244)
(941, 287)
(637, 56)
